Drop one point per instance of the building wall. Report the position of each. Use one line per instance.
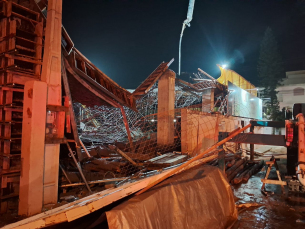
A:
(293, 89)
(288, 95)
(200, 130)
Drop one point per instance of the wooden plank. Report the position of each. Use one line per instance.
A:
(269, 162)
(108, 89)
(27, 40)
(182, 82)
(67, 38)
(25, 8)
(71, 110)
(127, 128)
(125, 156)
(158, 158)
(261, 139)
(178, 158)
(145, 86)
(85, 84)
(139, 156)
(105, 77)
(165, 160)
(276, 124)
(166, 106)
(12, 89)
(276, 182)
(95, 182)
(8, 8)
(57, 108)
(23, 59)
(24, 18)
(38, 45)
(26, 49)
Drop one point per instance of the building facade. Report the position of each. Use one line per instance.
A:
(292, 90)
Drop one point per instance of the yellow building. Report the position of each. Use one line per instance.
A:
(228, 75)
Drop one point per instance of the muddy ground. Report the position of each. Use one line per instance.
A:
(277, 210)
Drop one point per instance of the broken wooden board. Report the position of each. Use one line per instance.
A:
(103, 164)
(94, 202)
(140, 157)
(165, 160)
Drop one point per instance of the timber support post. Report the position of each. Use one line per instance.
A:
(40, 164)
(208, 100)
(252, 145)
(51, 74)
(166, 106)
(32, 151)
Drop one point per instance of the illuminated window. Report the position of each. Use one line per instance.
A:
(298, 91)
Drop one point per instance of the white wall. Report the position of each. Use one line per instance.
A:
(287, 97)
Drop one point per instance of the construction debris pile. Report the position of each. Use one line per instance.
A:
(118, 156)
(103, 135)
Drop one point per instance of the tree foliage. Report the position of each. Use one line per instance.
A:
(270, 72)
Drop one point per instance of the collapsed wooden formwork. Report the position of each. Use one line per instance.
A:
(21, 60)
(22, 43)
(84, 83)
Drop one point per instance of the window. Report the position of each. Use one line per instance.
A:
(298, 91)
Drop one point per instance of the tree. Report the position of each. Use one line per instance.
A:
(270, 73)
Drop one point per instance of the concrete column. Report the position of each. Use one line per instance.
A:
(51, 74)
(166, 106)
(32, 151)
(208, 100)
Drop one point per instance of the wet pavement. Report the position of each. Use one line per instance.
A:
(276, 210)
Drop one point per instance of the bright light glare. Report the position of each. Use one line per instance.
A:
(224, 66)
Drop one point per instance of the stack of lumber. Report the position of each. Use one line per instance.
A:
(237, 169)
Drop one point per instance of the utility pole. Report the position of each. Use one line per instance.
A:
(186, 22)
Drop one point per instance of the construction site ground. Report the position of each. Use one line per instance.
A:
(276, 210)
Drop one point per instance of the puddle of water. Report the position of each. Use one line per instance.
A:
(278, 210)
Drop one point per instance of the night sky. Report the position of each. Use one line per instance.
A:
(128, 39)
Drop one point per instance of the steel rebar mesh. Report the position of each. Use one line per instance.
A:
(181, 133)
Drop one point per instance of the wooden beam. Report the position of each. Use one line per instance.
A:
(260, 139)
(125, 156)
(108, 89)
(127, 128)
(166, 106)
(71, 111)
(51, 74)
(277, 182)
(32, 152)
(91, 89)
(23, 59)
(94, 182)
